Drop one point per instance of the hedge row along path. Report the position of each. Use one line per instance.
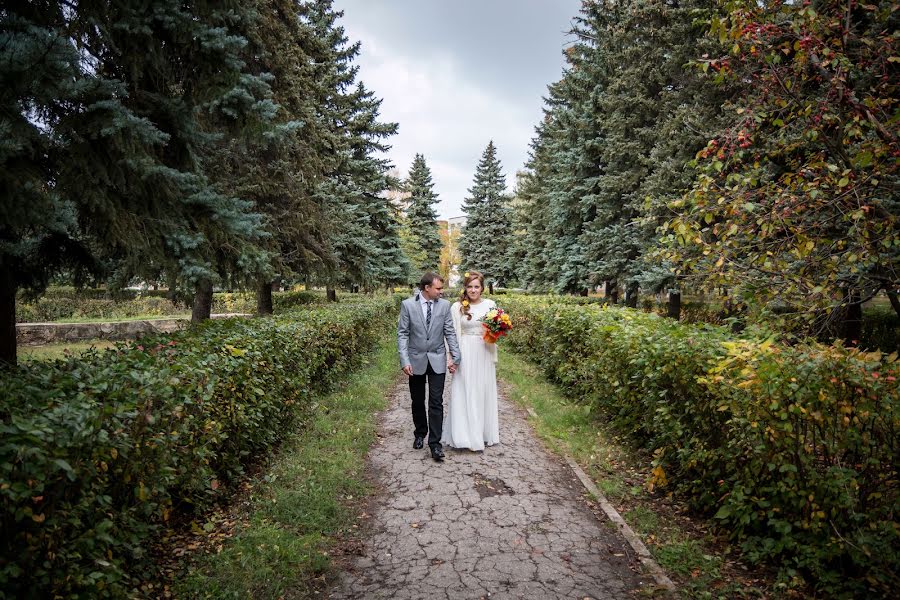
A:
(510, 522)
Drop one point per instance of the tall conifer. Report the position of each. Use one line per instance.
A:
(105, 157)
(278, 167)
(422, 236)
(486, 240)
(364, 242)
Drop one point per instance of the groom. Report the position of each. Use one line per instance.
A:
(425, 322)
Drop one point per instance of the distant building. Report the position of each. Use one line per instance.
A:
(457, 222)
(398, 197)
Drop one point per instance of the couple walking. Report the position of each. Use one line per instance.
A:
(428, 327)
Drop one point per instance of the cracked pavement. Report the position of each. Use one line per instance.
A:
(509, 522)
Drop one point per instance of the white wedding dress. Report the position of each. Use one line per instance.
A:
(471, 420)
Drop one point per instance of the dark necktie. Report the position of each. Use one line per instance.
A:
(428, 316)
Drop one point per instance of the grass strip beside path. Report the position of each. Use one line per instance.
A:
(62, 349)
(297, 510)
(699, 564)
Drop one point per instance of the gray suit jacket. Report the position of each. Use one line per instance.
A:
(418, 347)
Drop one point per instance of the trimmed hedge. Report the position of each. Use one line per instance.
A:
(97, 452)
(45, 310)
(69, 304)
(793, 449)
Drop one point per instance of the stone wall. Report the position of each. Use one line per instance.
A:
(39, 334)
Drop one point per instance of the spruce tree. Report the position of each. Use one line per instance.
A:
(600, 174)
(562, 172)
(199, 95)
(111, 112)
(363, 239)
(649, 91)
(278, 168)
(486, 239)
(422, 237)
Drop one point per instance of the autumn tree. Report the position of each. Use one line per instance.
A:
(796, 209)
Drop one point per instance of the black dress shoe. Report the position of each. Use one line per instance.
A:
(417, 445)
(437, 454)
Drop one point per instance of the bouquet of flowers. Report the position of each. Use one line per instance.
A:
(496, 324)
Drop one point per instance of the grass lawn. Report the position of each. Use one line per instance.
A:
(64, 350)
(276, 541)
(700, 565)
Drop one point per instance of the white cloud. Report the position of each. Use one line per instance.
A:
(444, 116)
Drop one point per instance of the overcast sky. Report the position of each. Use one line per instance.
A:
(456, 74)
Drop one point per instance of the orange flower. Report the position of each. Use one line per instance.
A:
(489, 336)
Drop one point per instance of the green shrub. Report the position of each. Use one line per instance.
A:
(880, 326)
(793, 449)
(97, 452)
(48, 309)
(68, 293)
(60, 304)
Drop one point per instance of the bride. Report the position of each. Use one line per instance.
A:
(472, 420)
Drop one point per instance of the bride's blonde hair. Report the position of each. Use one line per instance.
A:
(463, 299)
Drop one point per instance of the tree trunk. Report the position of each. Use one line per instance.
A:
(264, 298)
(612, 291)
(491, 288)
(7, 318)
(892, 296)
(631, 296)
(851, 327)
(583, 292)
(674, 304)
(331, 294)
(172, 291)
(202, 301)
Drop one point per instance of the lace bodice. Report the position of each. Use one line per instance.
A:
(477, 311)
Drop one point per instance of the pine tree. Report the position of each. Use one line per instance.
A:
(422, 239)
(486, 239)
